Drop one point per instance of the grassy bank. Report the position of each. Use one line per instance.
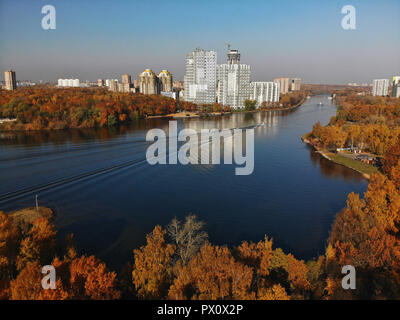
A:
(28, 215)
(365, 169)
(353, 164)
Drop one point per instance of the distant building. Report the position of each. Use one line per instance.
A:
(200, 80)
(68, 83)
(233, 81)
(283, 84)
(296, 84)
(396, 87)
(10, 80)
(126, 79)
(108, 82)
(233, 86)
(178, 85)
(265, 92)
(165, 81)
(148, 82)
(380, 87)
(25, 83)
(113, 85)
(170, 94)
(100, 83)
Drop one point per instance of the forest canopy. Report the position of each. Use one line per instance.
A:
(54, 108)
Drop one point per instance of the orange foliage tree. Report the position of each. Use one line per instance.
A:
(152, 272)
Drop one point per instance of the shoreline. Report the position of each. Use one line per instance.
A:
(324, 155)
(287, 108)
(189, 115)
(182, 115)
(273, 109)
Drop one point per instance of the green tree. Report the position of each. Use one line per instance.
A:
(250, 105)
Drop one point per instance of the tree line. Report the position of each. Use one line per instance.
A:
(287, 100)
(367, 123)
(54, 108)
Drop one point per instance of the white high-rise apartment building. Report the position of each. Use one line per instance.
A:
(68, 83)
(233, 84)
(233, 81)
(265, 92)
(284, 84)
(108, 82)
(396, 87)
(380, 87)
(10, 80)
(201, 77)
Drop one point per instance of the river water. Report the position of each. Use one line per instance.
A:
(103, 190)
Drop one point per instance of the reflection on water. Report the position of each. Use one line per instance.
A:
(77, 136)
(103, 190)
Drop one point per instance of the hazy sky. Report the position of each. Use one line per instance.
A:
(104, 39)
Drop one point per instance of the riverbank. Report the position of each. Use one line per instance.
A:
(287, 108)
(365, 170)
(183, 115)
(270, 109)
(28, 215)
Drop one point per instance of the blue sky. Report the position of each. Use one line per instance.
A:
(104, 39)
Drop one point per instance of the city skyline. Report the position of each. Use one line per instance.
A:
(286, 40)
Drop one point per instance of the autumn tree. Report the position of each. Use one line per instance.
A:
(27, 285)
(152, 272)
(213, 274)
(39, 245)
(391, 157)
(366, 235)
(9, 243)
(9, 237)
(276, 292)
(90, 279)
(274, 267)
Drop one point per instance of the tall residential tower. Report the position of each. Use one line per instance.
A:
(165, 81)
(201, 77)
(283, 84)
(10, 80)
(233, 81)
(148, 82)
(268, 92)
(380, 87)
(396, 87)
